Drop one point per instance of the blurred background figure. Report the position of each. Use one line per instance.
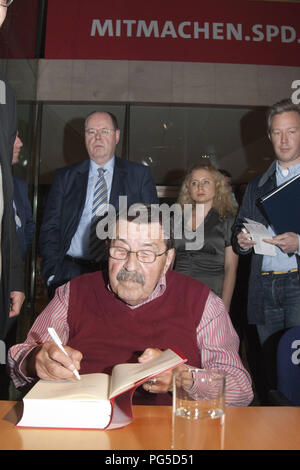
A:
(12, 272)
(215, 263)
(228, 178)
(25, 225)
(18, 144)
(12, 268)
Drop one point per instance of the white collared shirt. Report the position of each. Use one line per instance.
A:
(79, 247)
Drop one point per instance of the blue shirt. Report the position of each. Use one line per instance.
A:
(282, 262)
(79, 247)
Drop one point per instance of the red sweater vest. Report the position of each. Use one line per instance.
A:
(108, 332)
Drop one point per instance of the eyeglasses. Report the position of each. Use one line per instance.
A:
(144, 256)
(94, 132)
(5, 3)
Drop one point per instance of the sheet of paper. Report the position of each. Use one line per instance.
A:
(258, 232)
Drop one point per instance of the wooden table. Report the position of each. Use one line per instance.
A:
(246, 428)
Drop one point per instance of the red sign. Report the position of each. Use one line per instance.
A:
(18, 33)
(231, 31)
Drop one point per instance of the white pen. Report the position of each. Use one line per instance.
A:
(246, 231)
(58, 342)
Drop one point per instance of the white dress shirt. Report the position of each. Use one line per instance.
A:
(79, 247)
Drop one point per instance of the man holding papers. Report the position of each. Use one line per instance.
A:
(274, 288)
(141, 308)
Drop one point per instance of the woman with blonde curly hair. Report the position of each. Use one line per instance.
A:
(215, 263)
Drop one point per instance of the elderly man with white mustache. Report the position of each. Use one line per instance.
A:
(139, 309)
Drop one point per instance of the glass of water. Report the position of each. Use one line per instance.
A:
(198, 409)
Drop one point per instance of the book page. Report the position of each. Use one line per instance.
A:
(91, 386)
(258, 232)
(125, 376)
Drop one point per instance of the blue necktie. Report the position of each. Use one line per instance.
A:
(99, 208)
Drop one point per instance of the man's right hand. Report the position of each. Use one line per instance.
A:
(50, 363)
(244, 240)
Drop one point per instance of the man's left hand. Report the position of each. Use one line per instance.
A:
(288, 242)
(16, 301)
(163, 382)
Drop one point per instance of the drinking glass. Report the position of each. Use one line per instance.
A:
(198, 419)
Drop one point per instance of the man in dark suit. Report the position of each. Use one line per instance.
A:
(12, 269)
(65, 231)
(22, 207)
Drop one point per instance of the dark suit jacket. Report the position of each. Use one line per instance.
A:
(12, 278)
(259, 186)
(66, 202)
(24, 211)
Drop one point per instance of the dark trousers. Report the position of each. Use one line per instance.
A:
(9, 340)
(281, 311)
(281, 304)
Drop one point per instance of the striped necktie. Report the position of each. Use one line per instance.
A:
(99, 209)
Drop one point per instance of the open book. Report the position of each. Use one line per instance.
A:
(97, 401)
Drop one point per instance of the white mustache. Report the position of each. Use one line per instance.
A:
(135, 276)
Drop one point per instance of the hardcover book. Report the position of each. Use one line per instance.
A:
(281, 207)
(97, 401)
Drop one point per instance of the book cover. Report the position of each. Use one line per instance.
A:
(281, 207)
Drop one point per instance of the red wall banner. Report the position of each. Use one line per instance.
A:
(226, 31)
